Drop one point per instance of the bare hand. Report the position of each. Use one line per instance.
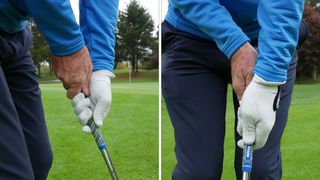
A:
(242, 64)
(74, 71)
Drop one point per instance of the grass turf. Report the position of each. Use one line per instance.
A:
(130, 130)
(300, 142)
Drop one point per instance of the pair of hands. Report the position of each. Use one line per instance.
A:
(90, 91)
(258, 99)
(97, 105)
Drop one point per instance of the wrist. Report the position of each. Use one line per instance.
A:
(245, 48)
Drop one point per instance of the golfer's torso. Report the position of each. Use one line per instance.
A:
(13, 15)
(243, 12)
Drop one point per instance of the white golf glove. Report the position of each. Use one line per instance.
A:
(99, 100)
(81, 107)
(257, 112)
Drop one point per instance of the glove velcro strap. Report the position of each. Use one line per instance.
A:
(276, 100)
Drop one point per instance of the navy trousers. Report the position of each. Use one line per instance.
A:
(195, 77)
(25, 151)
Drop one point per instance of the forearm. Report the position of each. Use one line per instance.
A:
(278, 37)
(98, 21)
(56, 21)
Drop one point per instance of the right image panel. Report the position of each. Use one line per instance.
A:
(240, 89)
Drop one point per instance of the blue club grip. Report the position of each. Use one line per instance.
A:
(97, 135)
(247, 159)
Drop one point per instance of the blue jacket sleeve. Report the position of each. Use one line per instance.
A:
(278, 37)
(98, 21)
(213, 19)
(56, 21)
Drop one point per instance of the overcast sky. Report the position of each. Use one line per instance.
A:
(164, 8)
(151, 5)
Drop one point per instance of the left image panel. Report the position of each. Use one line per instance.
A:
(79, 86)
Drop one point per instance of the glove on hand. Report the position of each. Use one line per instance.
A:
(100, 98)
(81, 106)
(99, 102)
(257, 112)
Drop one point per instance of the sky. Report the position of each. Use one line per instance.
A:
(150, 5)
(164, 9)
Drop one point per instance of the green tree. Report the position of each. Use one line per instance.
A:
(134, 34)
(314, 3)
(309, 53)
(152, 61)
(39, 50)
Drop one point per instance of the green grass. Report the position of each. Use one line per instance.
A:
(130, 130)
(300, 143)
(307, 80)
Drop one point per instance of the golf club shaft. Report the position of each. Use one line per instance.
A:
(102, 147)
(245, 176)
(107, 160)
(247, 162)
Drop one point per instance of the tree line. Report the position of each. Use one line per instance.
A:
(136, 41)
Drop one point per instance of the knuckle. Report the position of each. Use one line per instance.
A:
(84, 116)
(76, 80)
(82, 107)
(87, 102)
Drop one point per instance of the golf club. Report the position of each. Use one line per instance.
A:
(247, 162)
(102, 147)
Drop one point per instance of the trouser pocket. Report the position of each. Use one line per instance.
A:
(13, 46)
(6, 50)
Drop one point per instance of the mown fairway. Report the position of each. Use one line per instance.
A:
(130, 130)
(300, 144)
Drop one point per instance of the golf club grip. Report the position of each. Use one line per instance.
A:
(247, 159)
(97, 134)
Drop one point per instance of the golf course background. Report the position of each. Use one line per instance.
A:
(300, 142)
(130, 131)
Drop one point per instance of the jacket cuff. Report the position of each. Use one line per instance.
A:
(68, 49)
(266, 73)
(235, 43)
